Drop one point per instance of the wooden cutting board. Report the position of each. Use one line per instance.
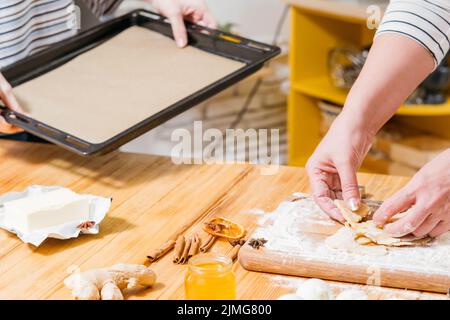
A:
(417, 268)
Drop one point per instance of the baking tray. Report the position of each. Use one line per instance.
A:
(250, 53)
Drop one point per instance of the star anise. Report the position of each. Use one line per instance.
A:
(236, 242)
(257, 243)
(86, 225)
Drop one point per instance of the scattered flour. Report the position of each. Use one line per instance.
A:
(352, 294)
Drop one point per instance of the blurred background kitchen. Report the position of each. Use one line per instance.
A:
(324, 45)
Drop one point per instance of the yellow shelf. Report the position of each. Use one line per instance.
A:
(317, 26)
(321, 88)
(350, 11)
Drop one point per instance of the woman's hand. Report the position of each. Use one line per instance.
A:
(176, 11)
(427, 199)
(381, 87)
(332, 167)
(8, 99)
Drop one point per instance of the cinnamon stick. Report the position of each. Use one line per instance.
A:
(235, 252)
(158, 253)
(175, 237)
(179, 247)
(195, 246)
(184, 255)
(208, 243)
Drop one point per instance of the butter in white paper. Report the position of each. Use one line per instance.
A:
(46, 209)
(50, 212)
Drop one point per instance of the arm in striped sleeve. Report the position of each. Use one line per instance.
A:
(425, 21)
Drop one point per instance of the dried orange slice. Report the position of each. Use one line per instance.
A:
(221, 227)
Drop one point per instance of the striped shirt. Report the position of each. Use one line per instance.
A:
(27, 26)
(425, 21)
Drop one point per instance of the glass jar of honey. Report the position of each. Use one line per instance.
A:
(209, 277)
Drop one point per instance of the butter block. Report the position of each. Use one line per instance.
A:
(46, 210)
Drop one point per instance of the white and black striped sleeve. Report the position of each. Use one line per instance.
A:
(425, 21)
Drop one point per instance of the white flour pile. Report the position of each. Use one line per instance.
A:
(285, 229)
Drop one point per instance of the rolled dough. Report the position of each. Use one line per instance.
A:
(120, 83)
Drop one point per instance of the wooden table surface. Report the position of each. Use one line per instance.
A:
(152, 198)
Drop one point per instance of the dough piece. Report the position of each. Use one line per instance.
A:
(344, 239)
(377, 235)
(368, 230)
(353, 216)
(315, 289)
(352, 294)
(290, 296)
(363, 240)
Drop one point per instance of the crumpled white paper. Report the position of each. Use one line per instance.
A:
(99, 206)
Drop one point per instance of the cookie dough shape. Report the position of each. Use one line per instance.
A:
(344, 239)
(367, 230)
(353, 217)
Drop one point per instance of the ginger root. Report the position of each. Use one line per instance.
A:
(108, 283)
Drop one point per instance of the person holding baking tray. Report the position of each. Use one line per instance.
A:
(412, 39)
(28, 26)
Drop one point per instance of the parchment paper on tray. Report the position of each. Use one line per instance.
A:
(98, 207)
(125, 80)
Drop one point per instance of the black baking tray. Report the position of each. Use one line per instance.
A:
(253, 54)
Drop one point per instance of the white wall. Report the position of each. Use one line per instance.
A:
(253, 18)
